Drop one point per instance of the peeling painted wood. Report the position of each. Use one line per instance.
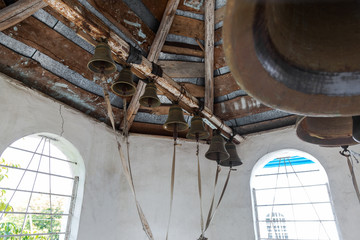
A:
(220, 14)
(188, 27)
(218, 34)
(94, 27)
(195, 90)
(209, 53)
(179, 69)
(119, 14)
(52, 44)
(16, 12)
(219, 57)
(194, 6)
(225, 84)
(153, 56)
(33, 75)
(239, 107)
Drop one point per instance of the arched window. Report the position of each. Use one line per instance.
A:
(39, 184)
(291, 198)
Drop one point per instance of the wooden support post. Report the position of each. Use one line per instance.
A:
(153, 56)
(16, 12)
(209, 53)
(85, 20)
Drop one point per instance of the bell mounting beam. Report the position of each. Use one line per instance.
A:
(153, 56)
(209, 53)
(93, 26)
(18, 11)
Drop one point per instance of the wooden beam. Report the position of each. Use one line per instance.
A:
(188, 27)
(218, 34)
(31, 74)
(85, 20)
(182, 51)
(18, 11)
(153, 56)
(209, 53)
(220, 14)
(180, 69)
(219, 57)
(239, 107)
(2, 4)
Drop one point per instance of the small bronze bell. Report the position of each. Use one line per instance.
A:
(124, 86)
(150, 98)
(175, 120)
(197, 129)
(356, 128)
(102, 61)
(234, 159)
(217, 149)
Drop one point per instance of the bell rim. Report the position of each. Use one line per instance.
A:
(132, 92)
(202, 136)
(93, 69)
(226, 163)
(216, 159)
(141, 100)
(184, 128)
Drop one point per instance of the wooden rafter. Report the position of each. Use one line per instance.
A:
(209, 53)
(85, 20)
(16, 12)
(153, 56)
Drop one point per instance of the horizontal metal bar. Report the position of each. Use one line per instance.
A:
(37, 213)
(272, 174)
(28, 191)
(295, 221)
(29, 170)
(43, 155)
(33, 234)
(304, 186)
(290, 204)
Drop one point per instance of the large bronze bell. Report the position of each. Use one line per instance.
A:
(217, 151)
(150, 98)
(102, 61)
(124, 86)
(356, 128)
(234, 159)
(175, 121)
(197, 129)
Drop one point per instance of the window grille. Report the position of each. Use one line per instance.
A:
(291, 200)
(38, 190)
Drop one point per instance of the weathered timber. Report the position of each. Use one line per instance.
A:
(179, 69)
(266, 125)
(75, 13)
(33, 75)
(195, 90)
(153, 56)
(218, 34)
(194, 6)
(2, 4)
(225, 84)
(239, 107)
(220, 14)
(53, 44)
(182, 51)
(188, 27)
(119, 14)
(161, 110)
(157, 9)
(153, 129)
(219, 57)
(16, 12)
(209, 53)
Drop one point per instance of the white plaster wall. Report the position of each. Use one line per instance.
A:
(108, 210)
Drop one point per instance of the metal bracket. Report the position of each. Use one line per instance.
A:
(156, 70)
(134, 56)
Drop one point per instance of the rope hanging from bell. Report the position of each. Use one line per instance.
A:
(350, 156)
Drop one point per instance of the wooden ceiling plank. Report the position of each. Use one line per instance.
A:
(225, 84)
(219, 57)
(218, 34)
(74, 12)
(239, 107)
(180, 69)
(18, 11)
(188, 27)
(153, 56)
(182, 51)
(52, 44)
(209, 53)
(30, 73)
(220, 14)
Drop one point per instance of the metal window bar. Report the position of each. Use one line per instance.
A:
(51, 217)
(29, 191)
(272, 174)
(38, 213)
(305, 186)
(72, 207)
(35, 171)
(32, 234)
(315, 220)
(44, 155)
